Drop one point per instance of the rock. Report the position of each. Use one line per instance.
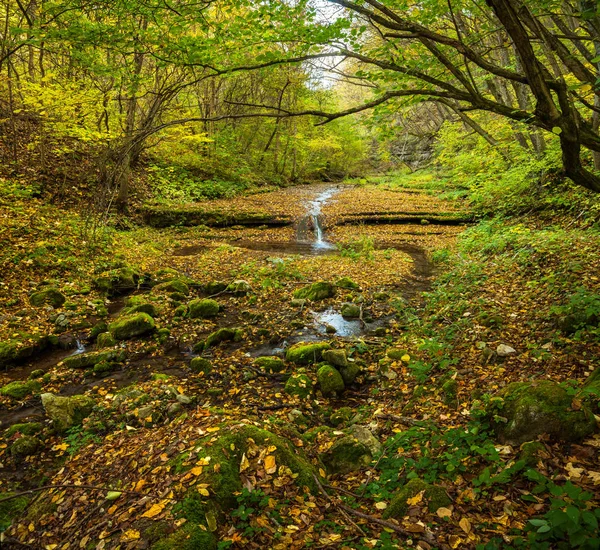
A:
(223, 335)
(270, 364)
(19, 389)
(17, 351)
(336, 357)
(379, 331)
(396, 354)
(347, 455)
(26, 445)
(330, 329)
(239, 287)
(145, 307)
(105, 340)
(571, 323)
(304, 354)
(180, 311)
(163, 335)
(117, 281)
(531, 452)
(67, 411)
(341, 416)
(174, 409)
(131, 326)
(203, 309)
(330, 380)
(103, 368)
(433, 495)
(504, 351)
(215, 287)
(381, 296)
(61, 322)
(183, 399)
(299, 385)
(27, 428)
(298, 302)
(48, 296)
(36, 374)
(175, 285)
(315, 292)
(147, 416)
(86, 360)
(347, 283)
(527, 410)
(450, 391)
(200, 364)
(364, 436)
(349, 373)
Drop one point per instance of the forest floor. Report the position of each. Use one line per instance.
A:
(172, 458)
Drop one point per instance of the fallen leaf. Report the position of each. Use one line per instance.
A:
(270, 465)
(244, 463)
(381, 505)
(444, 512)
(130, 535)
(155, 509)
(465, 525)
(416, 499)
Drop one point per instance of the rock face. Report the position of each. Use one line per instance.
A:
(433, 495)
(87, 360)
(203, 309)
(315, 292)
(535, 408)
(20, 390)
(350, 311)
(330, 380)
(299, 385)
(352, 452)
(48, 296)
(304, 354)
(130, 326)
(270, 364)
(66, 411)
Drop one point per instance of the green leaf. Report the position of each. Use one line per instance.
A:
(113, 495)
(557, 130)
(573, 513)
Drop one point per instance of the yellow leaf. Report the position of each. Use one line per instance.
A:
(271, 448)
(381, 505)
(444, 512)
(465, 525)
(270, 465)
(322, 472)
(139, 484)
(155, 509)
(455, 541)
(416, 499)
(244, 464)
(595, 477)
(130, 535)
(203, 491)
(61, 447)
(197, 470)
(573, 473)
(213, 429)
(405, 358)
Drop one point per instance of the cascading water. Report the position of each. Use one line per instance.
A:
(312, 222)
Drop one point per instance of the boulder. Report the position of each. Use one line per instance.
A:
(117, 281)
(433, 495)
(49, 296)
(396, 354)
(27, 428)
(26, 445)
(239, 287)
(200, 364)
(299, 385)
(66, 411)
(347, 283)
(145, 307)
(270, 364)
(215, 287)
(298, 302)
(223, 335)
(203, 309)
(19, 389)
(176, 285)
(130, 326)
(346, 455)
(526, 410)
(304, 354)
(315, 292)
(349, 373)
(350, 311)
(364, 436)
(330, 380)
(336, 357)
(87, 360)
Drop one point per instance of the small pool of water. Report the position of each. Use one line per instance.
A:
(343, 327)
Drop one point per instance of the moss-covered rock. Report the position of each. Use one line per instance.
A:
(142, 307)
(396, 354)
(11, 509)
(87, 360)
(341, 416)
(49, 296)
(188, 537)
(27, 428)
(117, 281)
(36, 374)
(26, 445)
(215, 287)
(330, 380)
(200, 364)
(176, 285)
(304, 354)
(66, 411)
(105, 340)
(270, 364)
(163, 335)
(299, 385)
(16, 351)
(434, 496)
(350, 311)
(530, 409)
(347, 283)
(336, 357)
(315, 292)
(349, 373)
(19, 389)
(203, 309)
(239, 287)
(531, 452)
(224, 334)
(450, 392)
(346, 455)
(130, 326)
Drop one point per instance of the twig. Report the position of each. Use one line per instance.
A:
(402, 419)
(346, 492)
(88, 487)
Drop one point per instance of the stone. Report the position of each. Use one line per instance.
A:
(223, 335)
(175, 285)
(27, 428)
(347, 455)
(147, 416)
(350, 373)
(433, 495)
(36, 374)
(531, 452)
(396, 354)
(304, 354)
(336, 357)
(341, 416)
(174, 409)
(330, 380)
(20, 390)
(183, 399)
(239, 287)
(330, 329)
(504, 350)
(450, 392)
(315, 292)
(26, 445)
(270, 364)
(525, 410)
(146, 307)
(105, 340)
(203, 309)
(103, 368)
(67, 411)
(298, 302)
(299, 385)
(364, 436)
(130, 326)
(215, 287)
(201, 365)
(87, 360)
(347, 283)
(117, 281)
(49, 296)
(163, 335)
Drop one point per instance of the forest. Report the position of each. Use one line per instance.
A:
(299, 274)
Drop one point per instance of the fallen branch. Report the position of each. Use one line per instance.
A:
(67, 486)
(402, 419)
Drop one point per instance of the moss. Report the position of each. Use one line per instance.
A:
(223, 335)
(530, 453)
(105, 340)
(67, 411)
(27, 428)
(176, 285)
(350, 373)
(315, 292)
(180, 311)
(160, 376)
(103, 368)
(350, 311)
(304, 354)
(330, 380)
(200, 364)
(19, 389)
(347, 283)
(36, 374)
(131, 326)
(117, 281)
(11, 509)
(433, 495)
(146, 307)
(215, 287)
(396, 354)
(239, 288)
(347, 455)
(188, 537)
(544, 407)
(450, 392)
(270, 364)
(16, 351)
(341, 416)
(203, 309)
(48, 296)
(163, 335)
(299, 385)
(87, 360)
(98, 329)
(26, 445)
(336, 357)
